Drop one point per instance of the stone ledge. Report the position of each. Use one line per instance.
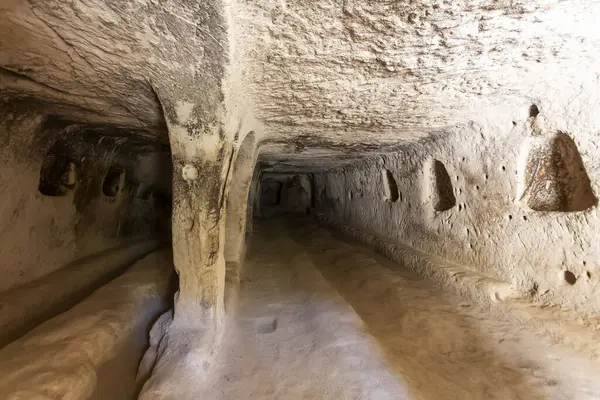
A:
(561, 326)
(464, 281)
(64, 357)
(26, 306)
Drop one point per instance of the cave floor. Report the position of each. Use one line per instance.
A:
(322, 317)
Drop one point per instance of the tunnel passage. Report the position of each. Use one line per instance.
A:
(270, 193)
(296, 194)
(406, 125)
(284, 193)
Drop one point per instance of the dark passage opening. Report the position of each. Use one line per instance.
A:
(113, 181)
(270, 193)
(58, 175)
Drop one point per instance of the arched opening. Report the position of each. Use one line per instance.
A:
(113, 181)
(58, 175)
(390, 187)
(442, 192)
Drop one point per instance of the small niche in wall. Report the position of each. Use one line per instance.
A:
(390, 187)
(113, 181)
(143, 191)
(58, 175)
(534, 111)
(554, 177)
(442, 192)
(270, 193)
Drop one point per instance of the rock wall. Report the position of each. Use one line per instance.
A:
(70, 191)
(284, 193)
(511, 199)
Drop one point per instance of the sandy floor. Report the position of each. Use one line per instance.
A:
(324, 318)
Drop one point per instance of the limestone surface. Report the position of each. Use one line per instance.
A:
(459, 138)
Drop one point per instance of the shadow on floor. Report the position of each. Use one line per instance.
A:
(442, 346)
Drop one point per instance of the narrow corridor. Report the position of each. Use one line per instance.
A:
(323, 317)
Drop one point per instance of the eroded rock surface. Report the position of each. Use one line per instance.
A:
(463, 130)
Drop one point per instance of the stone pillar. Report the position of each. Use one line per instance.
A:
(201, 165)
(191, 89)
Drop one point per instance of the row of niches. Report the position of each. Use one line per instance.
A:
(62, 172)
(440, 190)
(553, 178)
(59, 177)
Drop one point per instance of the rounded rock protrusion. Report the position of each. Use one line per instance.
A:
(189, 172)
(188, 224)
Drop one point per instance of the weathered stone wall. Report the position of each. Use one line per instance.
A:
(51, 216)
(284, 193)
(511, 199)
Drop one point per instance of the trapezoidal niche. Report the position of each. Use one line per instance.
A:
(554, 177)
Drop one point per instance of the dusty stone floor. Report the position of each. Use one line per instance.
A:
(322, 317)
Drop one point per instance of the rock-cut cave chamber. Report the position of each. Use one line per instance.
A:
(299, 200)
